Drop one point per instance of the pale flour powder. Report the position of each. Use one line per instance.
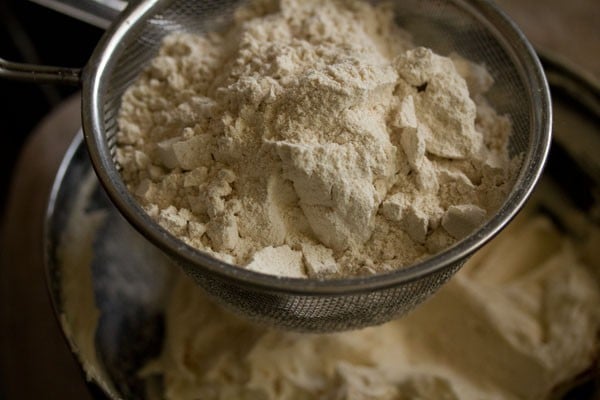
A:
(312, 139)
(517, 322)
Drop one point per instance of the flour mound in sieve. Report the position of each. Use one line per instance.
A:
(312, 139)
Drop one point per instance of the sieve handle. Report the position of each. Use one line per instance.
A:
(100, 13)
(96, 12)
(39, 73)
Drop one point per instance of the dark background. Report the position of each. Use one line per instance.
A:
(34, 34)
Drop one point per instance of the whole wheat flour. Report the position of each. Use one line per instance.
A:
(312, 139)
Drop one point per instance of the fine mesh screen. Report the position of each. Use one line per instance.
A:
(474, 30)
(321, 313)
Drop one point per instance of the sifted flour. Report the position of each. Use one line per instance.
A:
(312, 139)
(519, 321)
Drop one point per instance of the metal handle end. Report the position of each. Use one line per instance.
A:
(39, 73)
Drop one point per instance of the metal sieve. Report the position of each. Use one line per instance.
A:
(475, 29)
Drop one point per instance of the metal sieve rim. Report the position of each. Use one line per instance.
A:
(94, 85)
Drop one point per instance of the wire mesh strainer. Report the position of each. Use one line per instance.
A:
(475, 29)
